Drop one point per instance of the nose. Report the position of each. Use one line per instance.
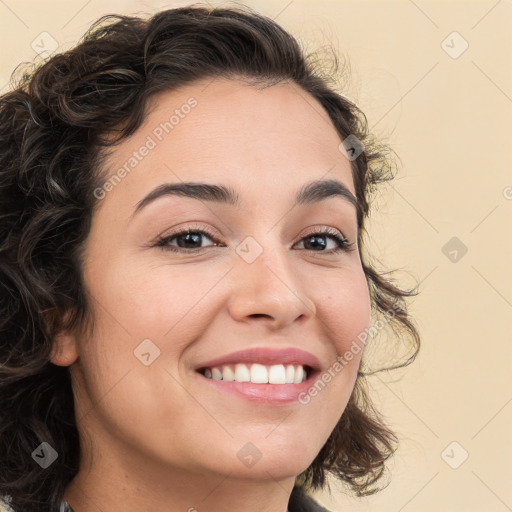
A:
(268, 291)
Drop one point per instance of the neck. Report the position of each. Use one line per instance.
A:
(111, 487)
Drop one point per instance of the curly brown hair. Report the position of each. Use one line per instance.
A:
(54, 127)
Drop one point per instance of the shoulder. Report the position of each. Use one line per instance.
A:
(301, 502)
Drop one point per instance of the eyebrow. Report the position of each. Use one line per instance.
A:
(310, 193)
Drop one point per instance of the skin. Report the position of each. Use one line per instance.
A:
(157, 437)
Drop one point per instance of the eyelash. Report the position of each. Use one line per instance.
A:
(341, 241)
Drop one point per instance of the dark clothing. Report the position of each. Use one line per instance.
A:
(300, 502)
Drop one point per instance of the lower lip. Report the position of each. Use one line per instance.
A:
(270, 394)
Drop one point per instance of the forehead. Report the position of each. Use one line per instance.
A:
(228, 130)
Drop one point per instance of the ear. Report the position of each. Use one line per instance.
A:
(64, 349)
(64, 346)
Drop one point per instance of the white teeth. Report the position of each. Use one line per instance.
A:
(227, 373)
(258, 373)
(277, 374)
(242, 373)
(290, 374)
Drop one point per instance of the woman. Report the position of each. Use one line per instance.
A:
(186, 293)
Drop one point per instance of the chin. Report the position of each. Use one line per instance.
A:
(274, 468)
(273, 460)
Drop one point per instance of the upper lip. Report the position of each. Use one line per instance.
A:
(263, 355)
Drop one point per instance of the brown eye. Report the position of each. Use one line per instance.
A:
(186, 240)
(318, 242)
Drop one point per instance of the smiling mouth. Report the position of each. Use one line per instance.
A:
(258, 373)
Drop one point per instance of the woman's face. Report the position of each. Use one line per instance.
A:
(260, 278)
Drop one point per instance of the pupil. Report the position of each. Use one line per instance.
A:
(318, 241)
(190, 238)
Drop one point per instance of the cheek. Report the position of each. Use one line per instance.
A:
(167, 305)
(345, 309)
(146, 301)
(344, 312)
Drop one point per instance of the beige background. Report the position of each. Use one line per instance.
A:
(449, 120)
